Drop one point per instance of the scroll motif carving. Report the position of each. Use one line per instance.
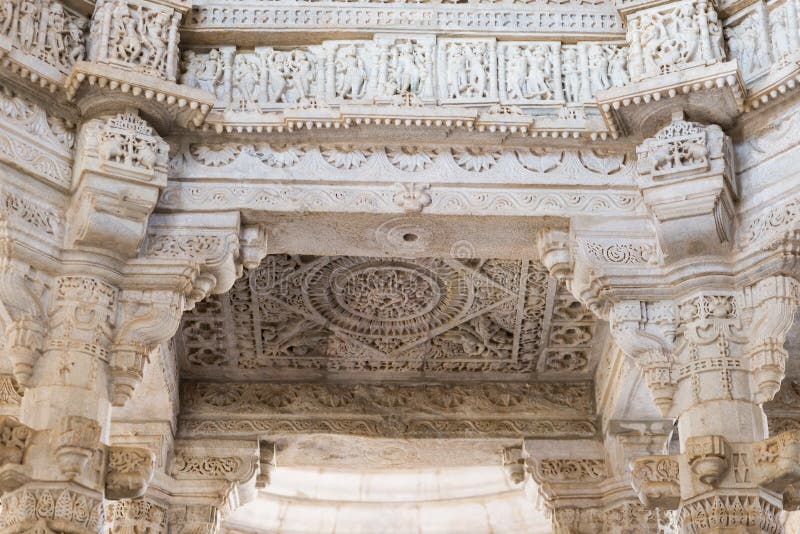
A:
(24, 508)
(495, 409)
(128, 472)
(569, 470)
(655, 480)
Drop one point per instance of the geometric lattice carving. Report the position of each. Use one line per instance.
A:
(298, 317)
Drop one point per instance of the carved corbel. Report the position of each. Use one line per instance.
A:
(146, 318)
(119, 173)
(773, 304)
(22, 312)
(555, 253)
(655, 481)
(513, 459)
(15, 438)
(648, 343)
(215, 246)
(74, 443)
(223, 460)
(128, 472)
(687, 181)
(266, 463)
(252, 245)
(709, 458)
(194, 519)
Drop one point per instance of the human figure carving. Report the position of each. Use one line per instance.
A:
(352, 76)
(598, 68)
(28, 12)
(456, 73)
(154, 30)
(6, 16)
(539, 66)
(572, 75)
(475, 58)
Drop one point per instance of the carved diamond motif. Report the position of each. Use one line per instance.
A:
(300, 316)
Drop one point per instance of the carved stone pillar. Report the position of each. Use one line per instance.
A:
(711, 354)
(80, 319)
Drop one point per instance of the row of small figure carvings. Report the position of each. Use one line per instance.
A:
(660, 40)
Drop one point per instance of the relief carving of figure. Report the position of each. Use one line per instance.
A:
(246, 78)
(715, 34)
(351, 73)
(516, 73)
(780, 34)
(204, 73)
(278, 75)
(456, 71)
(537, 83)
(743, 45)
(408, 64)
(476, 65)
(598, 68)
(302, 74)
(6, 16)
(289, 76)
(467, 70)
(28, 13)
(618, 68)
(75, 45)
(124, 40)
(572, 75)
(155, 36)
(54, 40)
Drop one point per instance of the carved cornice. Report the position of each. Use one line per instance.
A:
(214, 19)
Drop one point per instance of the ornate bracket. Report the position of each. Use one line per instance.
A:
(655, 481)
(128, 472)
(687, 181)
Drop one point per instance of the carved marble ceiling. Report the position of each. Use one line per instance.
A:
(305, 318)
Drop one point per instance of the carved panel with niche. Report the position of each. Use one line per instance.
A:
(303, 317)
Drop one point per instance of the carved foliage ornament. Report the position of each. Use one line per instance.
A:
(128, 472)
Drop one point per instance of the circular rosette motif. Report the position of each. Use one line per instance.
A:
(377, 299)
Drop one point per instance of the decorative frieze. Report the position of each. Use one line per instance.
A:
(420, 69)
(489, 410)
(508, 18)
(41, 40)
